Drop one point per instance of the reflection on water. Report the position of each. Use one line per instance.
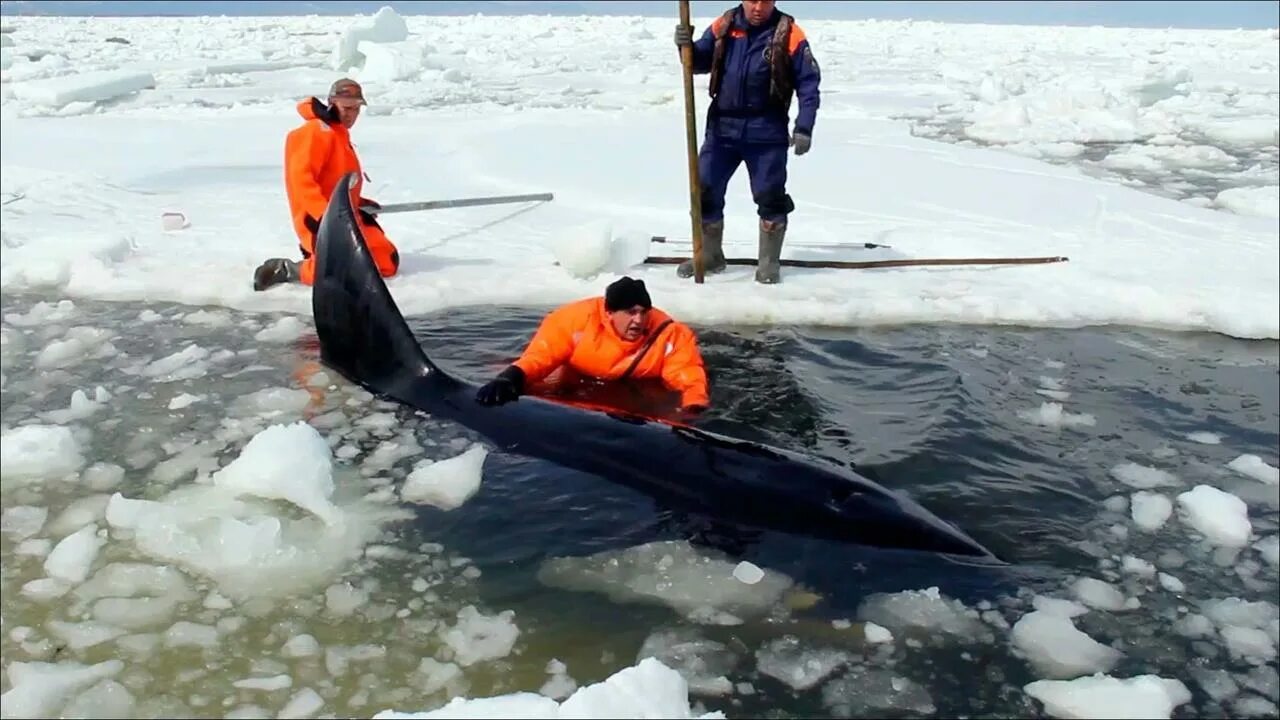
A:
(960, 418)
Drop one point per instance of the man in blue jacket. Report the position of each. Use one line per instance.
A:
(758, 58)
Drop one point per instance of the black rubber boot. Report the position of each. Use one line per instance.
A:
(712, 251)
(771, 236)
(273, 272)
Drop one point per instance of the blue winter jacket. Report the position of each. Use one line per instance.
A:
(743, 110)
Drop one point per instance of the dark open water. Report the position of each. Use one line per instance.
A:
(933, 411)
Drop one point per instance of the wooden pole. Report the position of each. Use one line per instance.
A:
(691, 148)
(866, 264)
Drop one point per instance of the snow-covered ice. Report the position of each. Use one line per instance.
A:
(253, 530)
(599, 129)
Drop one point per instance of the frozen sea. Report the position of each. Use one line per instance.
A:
(199, 520)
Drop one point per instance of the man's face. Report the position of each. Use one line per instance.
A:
(629, 323)
(348, 110)
(758, 11)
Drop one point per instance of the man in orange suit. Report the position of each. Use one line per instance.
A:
(317, 154)
(611, 338)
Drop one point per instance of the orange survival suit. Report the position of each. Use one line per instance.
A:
(580, 337)
(317, 155)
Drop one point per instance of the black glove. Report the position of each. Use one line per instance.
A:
(802, 141)
(684, 35)
(504, 388)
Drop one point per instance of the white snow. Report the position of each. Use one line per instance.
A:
(1102, 696)
(569, 110)
(446, 484)
(1221, 517)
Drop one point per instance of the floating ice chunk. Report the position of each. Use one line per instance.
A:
(1221, 517)
(876, 634)
(272, 402)
(1098, 594)
(748, 573)
(1102, 696)
(1171, 583)
(90, 87)
(800, 668)
(285, 462)
(1143, 477)
(79, 636)
(43, 314)
(33, 453)
(703, 663)
(672, 573)
(1057, 649)
(81, 407)
(1150, 510)
(304, 703)
(300, 646)
(446, 484)
(1137, 566)
(1205, 438)
(45, 589)
(867, 692)
(79, 513)
(584, 251)
(189, 634)
(1057, 606)
(102, 476)
(1269, 548)
(432, 675)
(1254, 467)
(107, 699)
(184, 400)
(267, 684)
(1051, 414)
(23, 521)
(212, 319)
(285, 330)
(926, 611)
(648, 689)
(186, 364)
(81, 343)
(71, 558)
(341, 599)
(477, 638)
(40, 689)
(1249, 643)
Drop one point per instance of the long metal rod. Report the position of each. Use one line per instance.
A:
(864, 264)
(461, 202)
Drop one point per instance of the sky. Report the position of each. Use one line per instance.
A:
(1252, 14)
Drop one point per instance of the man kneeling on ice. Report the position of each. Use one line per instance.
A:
(611, 338)
(317, 154)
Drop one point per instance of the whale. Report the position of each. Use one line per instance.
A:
(363, 336)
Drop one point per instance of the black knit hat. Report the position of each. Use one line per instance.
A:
(626, 293)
